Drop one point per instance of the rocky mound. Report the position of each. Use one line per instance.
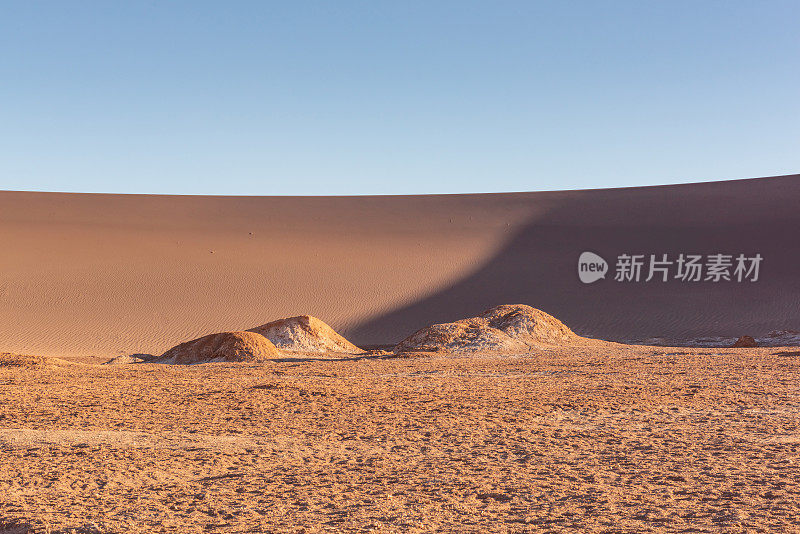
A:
(507, 328)
(305, 334)
(222, 347)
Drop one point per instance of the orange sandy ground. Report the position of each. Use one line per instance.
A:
(618, 439)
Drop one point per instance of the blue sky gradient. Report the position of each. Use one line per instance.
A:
(305, 98)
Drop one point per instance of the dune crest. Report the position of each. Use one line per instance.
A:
(222, 347)
(506, 328)
(305, 333)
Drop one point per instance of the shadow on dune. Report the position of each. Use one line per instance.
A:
(538, 266)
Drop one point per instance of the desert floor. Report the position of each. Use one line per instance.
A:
(614, 439)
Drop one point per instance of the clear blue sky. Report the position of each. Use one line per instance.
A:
(342, 97)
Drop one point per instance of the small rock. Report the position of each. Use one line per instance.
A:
(745, 342)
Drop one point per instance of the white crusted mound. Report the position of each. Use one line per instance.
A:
(128, 359)
(507, 328)
(305, 334)
(222, 347)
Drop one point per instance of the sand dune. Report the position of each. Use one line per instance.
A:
(106, 275)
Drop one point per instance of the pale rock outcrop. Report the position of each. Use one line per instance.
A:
(307, 334)
(508, 328)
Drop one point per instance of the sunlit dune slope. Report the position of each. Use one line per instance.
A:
(107, 275)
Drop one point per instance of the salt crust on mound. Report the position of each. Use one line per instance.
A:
(305, 333)
(222, 347)
(127, 359)
(506, 328)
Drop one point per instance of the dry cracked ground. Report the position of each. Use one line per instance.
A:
(634, 439)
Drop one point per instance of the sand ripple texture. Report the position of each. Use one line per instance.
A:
(625, 439)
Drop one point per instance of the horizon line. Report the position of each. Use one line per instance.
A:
(669, 184)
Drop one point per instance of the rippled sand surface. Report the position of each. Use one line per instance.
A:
(114, 275)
